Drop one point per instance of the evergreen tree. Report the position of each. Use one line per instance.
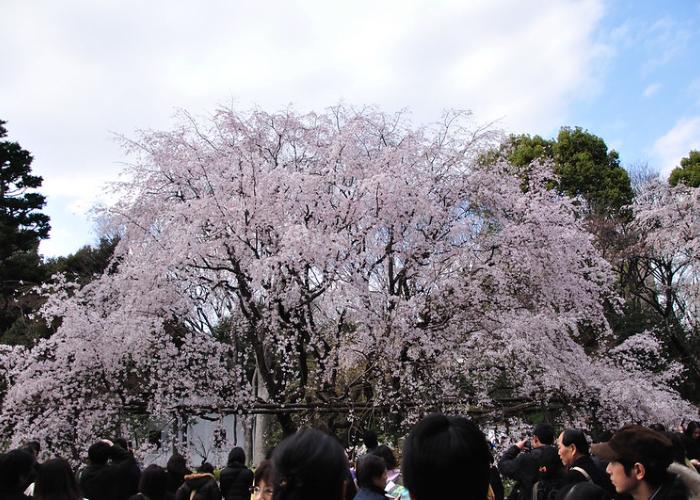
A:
(22, 226)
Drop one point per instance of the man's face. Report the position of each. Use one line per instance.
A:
(566, 453)
(621, 481)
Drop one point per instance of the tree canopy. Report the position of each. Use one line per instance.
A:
(583, 166)
(354, 260)
(22, 226)
(688, 172)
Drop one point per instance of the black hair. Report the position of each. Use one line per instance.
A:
(440, 446)
(154, 482)
(658, 427)
(99, 452)
(544, 432)
(678, 446)
(55, 480)
(177, 465)
(369, 467)
(16, 468)
(121, 442)
(586, 490)
(387, 454)
(309, 465)
(577, 438)
(263, 472)
(369, 438)
(236, 456)
(206, 468)
(690, 428)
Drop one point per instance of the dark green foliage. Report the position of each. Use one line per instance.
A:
(583, 164)
(22, 226)
(689, 171)
(87, 262)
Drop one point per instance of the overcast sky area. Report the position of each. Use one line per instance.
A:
(74, 73)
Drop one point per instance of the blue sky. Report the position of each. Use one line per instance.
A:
(76, 72)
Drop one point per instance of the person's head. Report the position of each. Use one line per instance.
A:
(236, 456)
(55, 480)
(16, 469)
(387, 454)
(177, 465)
(637, 456)
(122, 443)
(98, 453)
(369, 438)
(679, 453)
(542, 434)
(206, 468)
(309, 465)
(153, 482)
(586, 490)
(262, 481)
(692, 430)
(441, 447)
(658, 427)
(371, 471)
(572, 444)
(34, 447)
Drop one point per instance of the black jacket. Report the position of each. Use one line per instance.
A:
(596, 474)
(108, 481)
(236, 480)
(203, 484)
(522, 466)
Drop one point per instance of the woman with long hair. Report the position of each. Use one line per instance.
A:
(55, 481)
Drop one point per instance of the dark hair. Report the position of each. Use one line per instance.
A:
(577, 438)
(369, 438)
(387, 454)
(177, 465)
(544, 432)
(98, 453)
(678, 446)
(369, 467)
(16, 468)
(153, 482)
(55, 481)
(690, 428)
(586, 490)
(236, 456)
(206, 467)
(33, 445)
(439, 447)
(263, 472)
(121, 442)
(658, 427)
(309, 465)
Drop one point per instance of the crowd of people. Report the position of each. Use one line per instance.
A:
(443, 457)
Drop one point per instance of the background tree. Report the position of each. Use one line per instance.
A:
(22, 226)
(688, 172)
(583, 166)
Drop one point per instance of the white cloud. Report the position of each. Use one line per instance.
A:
(677, 143)
(651, 89)
(80, 69)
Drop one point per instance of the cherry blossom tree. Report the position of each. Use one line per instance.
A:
(352, 260)
(664, 263)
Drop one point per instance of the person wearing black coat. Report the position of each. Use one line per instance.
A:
(523, 466)
(574, 451)
(110, 467)
(236, 479)
(176, 470)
